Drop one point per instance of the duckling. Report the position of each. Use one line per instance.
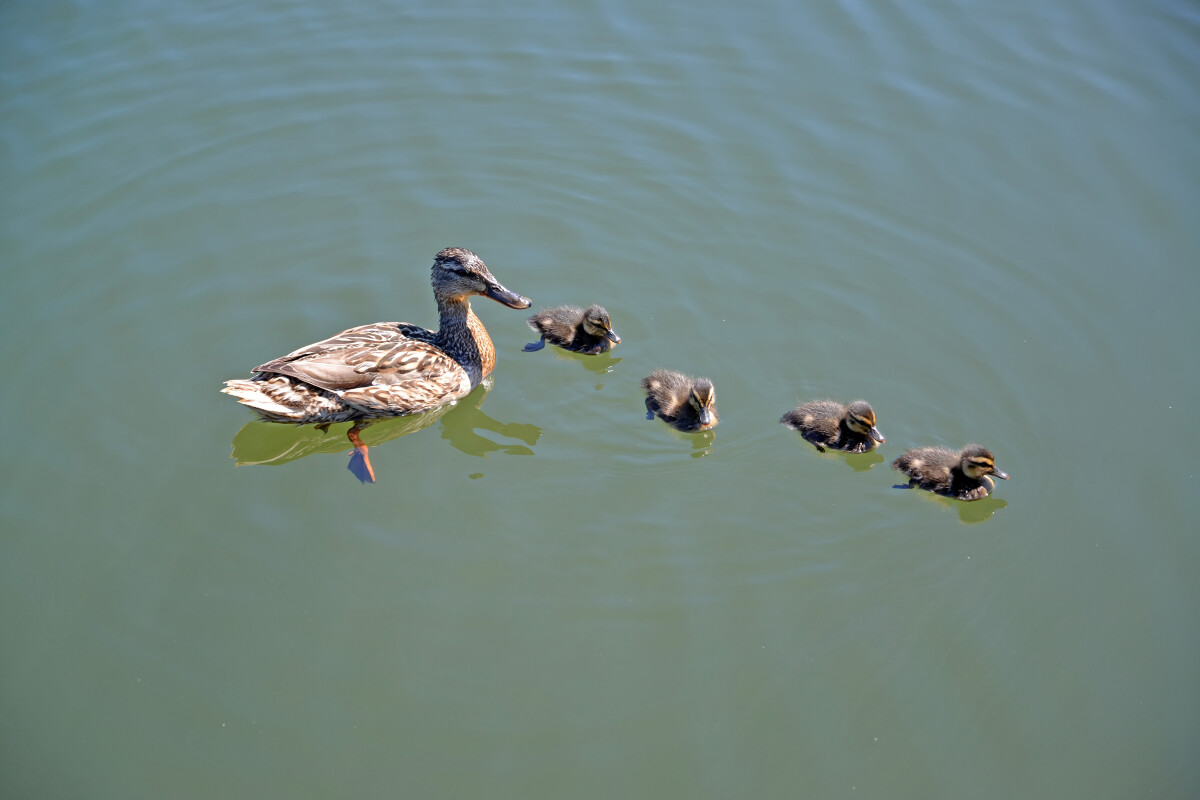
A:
(588, 330)
(687, 404)
(963, 475)
(825, 423)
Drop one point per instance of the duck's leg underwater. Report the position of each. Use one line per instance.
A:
(533, 347)
(360, 459)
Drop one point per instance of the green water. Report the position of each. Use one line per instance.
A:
(979, 217)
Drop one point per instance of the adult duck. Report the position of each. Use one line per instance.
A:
(386, 368)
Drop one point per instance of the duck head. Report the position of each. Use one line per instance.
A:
(597, 323)
(458, 273)
(703, 398)
(978, 462)
(860, 418)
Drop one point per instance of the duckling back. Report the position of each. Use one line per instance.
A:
(817, 421)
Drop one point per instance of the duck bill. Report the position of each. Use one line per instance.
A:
(876, 435)
(705, 416)
(510, 299)
(611, 335)
(1001, 475)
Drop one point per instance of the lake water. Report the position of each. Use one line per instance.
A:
(981, 217)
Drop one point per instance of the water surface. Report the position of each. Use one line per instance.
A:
(979, 217)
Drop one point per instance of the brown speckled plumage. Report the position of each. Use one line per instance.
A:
(825, 423)
(961, 474)
(386, 368)
(580, 330)
(686, 403)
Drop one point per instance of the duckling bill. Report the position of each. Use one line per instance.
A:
(825, 423)
(580, 330)
(683, 402)
(960, 474)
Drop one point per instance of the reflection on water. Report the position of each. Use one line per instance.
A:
(864, 462)
(979, 510)
(970, 512)
(702, 443)
(599, 364)
(459, 429)
(275, 443)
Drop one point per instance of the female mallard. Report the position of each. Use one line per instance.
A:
(963, 475)
(580, 330)
(825, 423)
(686, 403)
(386, 368)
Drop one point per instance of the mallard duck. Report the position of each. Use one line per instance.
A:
(963, 475)
(686, 403)
(580, 330)
(825, 423)
(386, 368)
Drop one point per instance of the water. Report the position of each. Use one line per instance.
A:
(980, 217)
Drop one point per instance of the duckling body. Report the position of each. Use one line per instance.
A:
(686, 403)
(580, 330)
(826, 423)
(964, 474)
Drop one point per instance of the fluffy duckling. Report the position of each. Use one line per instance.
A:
(687, 404)
(963, 475)
(825, 423)
(580, 330)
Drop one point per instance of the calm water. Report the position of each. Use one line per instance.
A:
(982, 217)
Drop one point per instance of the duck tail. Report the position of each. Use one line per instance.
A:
(279, 399)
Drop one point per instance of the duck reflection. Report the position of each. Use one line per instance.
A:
(274, 443)
(863, 462)
(702, 443)
(599, 364)
(979, 510)
(971, 513)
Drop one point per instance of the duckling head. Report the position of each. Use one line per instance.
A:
(597, 323)
(458, 273)
(703, 398)
(978, 462)
(860, 418)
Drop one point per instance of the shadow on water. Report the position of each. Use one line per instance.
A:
(274, 443)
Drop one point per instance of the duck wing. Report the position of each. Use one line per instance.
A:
(380, 353)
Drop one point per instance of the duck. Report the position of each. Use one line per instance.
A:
(386, 369)
(580, 330)
(826, 423)
(962, 474)
(683, 402)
